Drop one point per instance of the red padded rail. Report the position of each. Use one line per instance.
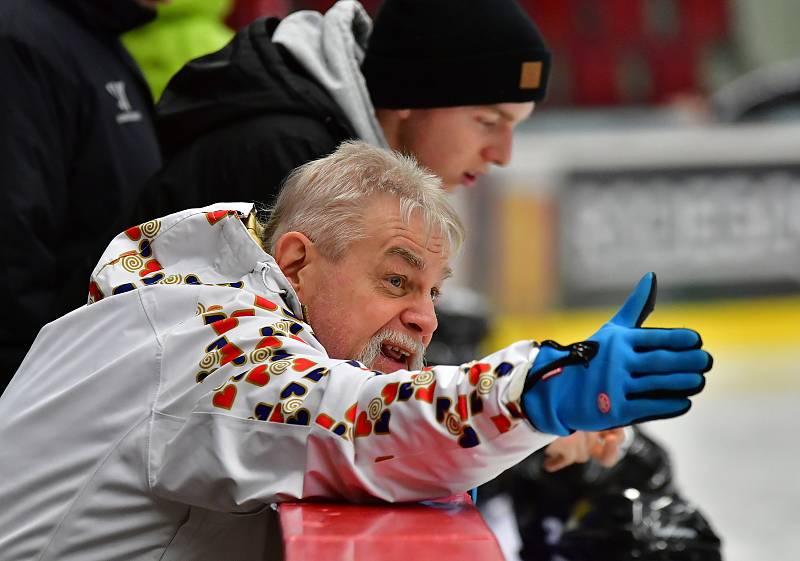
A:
(448, 530)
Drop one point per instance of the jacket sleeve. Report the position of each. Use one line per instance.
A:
(38, 107)
(273, 418)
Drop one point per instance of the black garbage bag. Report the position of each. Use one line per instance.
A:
(618, 526)
(586, 512)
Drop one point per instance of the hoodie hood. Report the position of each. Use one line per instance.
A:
(206, 246)
(250, 75)
(332, 48)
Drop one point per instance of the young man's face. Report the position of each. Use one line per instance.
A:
(376, 303)
(459, 144)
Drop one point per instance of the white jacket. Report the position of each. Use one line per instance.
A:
(161, 420)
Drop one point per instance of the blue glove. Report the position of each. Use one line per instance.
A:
(623, 374)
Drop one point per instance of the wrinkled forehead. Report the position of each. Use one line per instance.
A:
(386, 216)
(433, 265)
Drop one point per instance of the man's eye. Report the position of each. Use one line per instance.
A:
(397, 282)
(435, 294)
(488, 120)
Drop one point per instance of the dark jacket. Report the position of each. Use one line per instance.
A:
(76, 144)
(234, 123)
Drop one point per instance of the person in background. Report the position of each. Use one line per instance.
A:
(448, 90)
(184, 29)
(77, 143)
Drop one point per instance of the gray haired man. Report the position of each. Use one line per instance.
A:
(209, 378)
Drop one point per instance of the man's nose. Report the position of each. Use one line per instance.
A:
(499, 151)
(420, 318)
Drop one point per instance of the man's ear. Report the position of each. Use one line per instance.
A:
(294, 252)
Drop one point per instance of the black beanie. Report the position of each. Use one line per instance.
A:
(445, 53)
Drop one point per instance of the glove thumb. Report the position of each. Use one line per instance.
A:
(639, 304)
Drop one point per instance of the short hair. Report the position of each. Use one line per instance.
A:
(325, 199)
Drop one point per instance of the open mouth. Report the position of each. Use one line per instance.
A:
(469, 179)
(390, 350)
(396, 354)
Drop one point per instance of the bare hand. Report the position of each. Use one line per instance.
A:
(580, 447)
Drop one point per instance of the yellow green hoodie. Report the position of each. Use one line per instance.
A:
(184, 29)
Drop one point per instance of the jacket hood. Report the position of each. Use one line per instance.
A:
(250, 75)
(331, 47)
(203, 246)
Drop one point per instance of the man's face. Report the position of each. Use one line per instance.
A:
(376, 303)
(460, 143)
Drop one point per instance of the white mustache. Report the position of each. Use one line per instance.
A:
(372, 349)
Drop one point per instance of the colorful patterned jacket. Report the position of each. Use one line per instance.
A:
(161, 419)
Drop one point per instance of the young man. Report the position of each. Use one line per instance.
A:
(209, 379)
(444, 80)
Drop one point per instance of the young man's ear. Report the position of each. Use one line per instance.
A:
(391, 121)
(294, 252)
(392, 114)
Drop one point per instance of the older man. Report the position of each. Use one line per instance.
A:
(234, 123)
(208, 379)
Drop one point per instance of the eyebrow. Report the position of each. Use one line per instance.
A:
(409, 256)
(415, 260)
(503, 114)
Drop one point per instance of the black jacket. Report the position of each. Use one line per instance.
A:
(76, 145)
(234, 123)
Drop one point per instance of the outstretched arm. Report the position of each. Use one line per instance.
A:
(273, 418)
(268, 416)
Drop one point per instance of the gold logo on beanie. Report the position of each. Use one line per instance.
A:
(531, 76)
